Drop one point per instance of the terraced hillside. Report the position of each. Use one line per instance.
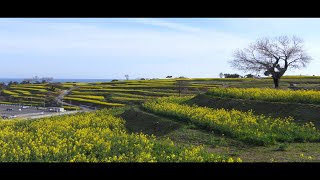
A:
(119, 93)
(229, 117)
(25, 94)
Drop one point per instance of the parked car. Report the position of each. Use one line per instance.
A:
(12, 116)
(9, 109)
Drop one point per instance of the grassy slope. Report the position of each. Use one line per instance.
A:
(184, 133)
(302, 113)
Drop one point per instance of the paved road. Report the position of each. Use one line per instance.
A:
(48, 115)
(59, 99)
(30, 113)
(64, 93)
(34, 113)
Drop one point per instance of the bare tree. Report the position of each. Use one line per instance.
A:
(221, 75)
(2, 86)
(273, 56)
(182, 86)
(127, 76)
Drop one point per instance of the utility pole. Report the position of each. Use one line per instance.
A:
(180, 88)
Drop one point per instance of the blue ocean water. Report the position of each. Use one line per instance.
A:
(7, 80)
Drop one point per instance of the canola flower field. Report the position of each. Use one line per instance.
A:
(266, 94)
(90, 137)
(101, 98)
(102, 137)
(26, 94)
(105, 94)
(128, 92)
(97, 102)
(244, 126)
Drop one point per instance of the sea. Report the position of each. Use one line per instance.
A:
(7, 80)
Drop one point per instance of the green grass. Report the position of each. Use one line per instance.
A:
(110, 91)
(71, 108)
(22, 92)
(184, 133)
(33, 98)
(219, 79)
(39, 86)
(130, 95)
(93, 101)
(67, 85)
(244, 126)
(125, 99)
(298, 77)
(100, 98)
(26, 103)
(29, 89)
(7, 92)
(302, 113)
(4, 102)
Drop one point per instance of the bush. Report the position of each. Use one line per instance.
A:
(249, 76)
(231, 75)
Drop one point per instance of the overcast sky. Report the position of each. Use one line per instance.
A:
(106, 48)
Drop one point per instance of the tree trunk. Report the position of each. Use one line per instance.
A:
(276, 82)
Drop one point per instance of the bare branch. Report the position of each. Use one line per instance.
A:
(266, 55)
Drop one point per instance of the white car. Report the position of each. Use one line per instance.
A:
(12, 116)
